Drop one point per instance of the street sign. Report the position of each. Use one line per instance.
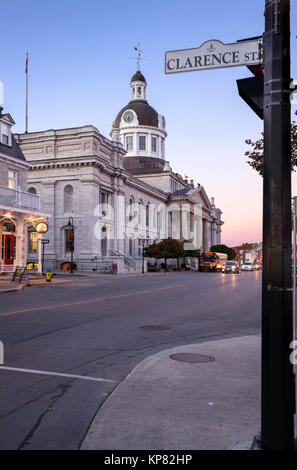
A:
(45, 241)
(214, 54)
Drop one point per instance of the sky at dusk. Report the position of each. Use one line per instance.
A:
(81, 59)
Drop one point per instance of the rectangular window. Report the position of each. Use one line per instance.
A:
(162, 148)
(33, 237)
(12, 179)
(69, 241)
(129, 143)
(154, 144)
(4, 139)
(104, 203)
(104, 198)
(142, 142)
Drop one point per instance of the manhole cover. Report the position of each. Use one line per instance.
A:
(155, 327)
(192, 358)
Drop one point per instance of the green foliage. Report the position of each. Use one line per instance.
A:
(224, 249)
(255, 155)
(248, 246)
(169, 248)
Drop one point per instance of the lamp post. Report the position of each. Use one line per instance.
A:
(143, 243)
(165, 259)
(70, 225)
(278, 381)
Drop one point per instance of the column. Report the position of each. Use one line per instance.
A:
(205, 235)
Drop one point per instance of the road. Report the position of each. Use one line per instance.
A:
(101, 327)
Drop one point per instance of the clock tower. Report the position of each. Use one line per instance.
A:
(139, 127)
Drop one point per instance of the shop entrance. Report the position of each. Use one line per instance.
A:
(9, 249)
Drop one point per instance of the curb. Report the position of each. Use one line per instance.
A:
(22, 286)
(13, 289)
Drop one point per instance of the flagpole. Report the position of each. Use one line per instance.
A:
(26, 131)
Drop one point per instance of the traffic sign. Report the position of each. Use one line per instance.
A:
(44, 241)
(214, 54)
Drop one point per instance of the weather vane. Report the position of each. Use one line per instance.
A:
(139, 58)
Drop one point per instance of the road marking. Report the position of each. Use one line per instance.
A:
(56, 374)
(82, 302)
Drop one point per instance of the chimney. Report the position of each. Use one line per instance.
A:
(192, 183)
(212, 201)
(1, 109)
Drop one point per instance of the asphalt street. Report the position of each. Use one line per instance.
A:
(101, 327)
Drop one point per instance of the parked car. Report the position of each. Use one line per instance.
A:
(246, 266)
(231, 267)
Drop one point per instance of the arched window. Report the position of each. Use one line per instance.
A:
(68, 198)
(140, 209)
(131, 208)
(147, 215)
(32, 190)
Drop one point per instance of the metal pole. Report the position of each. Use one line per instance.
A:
(42, 257)
(278, 389)
(294, 269)
(72, 245)
(142, 256)
(26, 131)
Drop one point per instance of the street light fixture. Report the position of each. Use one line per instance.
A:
(70, 225)
(143, 243)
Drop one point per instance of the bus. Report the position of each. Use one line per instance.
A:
(211, 261)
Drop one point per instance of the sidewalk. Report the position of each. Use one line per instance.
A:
(12, 286)
(165, 404)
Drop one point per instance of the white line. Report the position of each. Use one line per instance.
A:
(57, 374)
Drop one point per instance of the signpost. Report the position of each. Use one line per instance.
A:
(44, 242)
(214, 54)
(270, 99)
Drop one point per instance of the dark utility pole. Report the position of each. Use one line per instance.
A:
(278, 388)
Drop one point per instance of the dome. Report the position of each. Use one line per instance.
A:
(138, 77)
(146, 115)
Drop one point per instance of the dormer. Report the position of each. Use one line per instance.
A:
(6, 123)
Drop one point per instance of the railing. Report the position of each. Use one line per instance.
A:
(15, 197)
(128, 262)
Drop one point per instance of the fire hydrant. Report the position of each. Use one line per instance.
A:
(48, 275)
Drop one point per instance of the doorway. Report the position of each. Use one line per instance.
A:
(8, 244)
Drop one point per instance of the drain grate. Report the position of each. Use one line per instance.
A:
(192, 358)
(155, 327)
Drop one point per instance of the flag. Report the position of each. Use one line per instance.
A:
(26, 69)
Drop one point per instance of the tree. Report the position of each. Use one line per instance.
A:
(168, 248)
(248, 246)
(255, 156)
(224, 249)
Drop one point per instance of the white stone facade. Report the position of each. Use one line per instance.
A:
(108, 199)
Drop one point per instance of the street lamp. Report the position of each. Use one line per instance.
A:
(70, 225)
(143, 243)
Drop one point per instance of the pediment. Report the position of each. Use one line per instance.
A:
(7, 118)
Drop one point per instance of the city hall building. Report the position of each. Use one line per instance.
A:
(111, 197)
